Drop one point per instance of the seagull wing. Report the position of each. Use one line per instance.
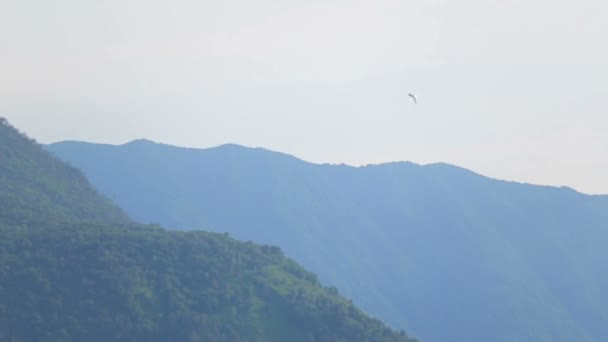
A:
(413, 97)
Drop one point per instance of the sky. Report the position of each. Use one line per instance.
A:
(511, 89)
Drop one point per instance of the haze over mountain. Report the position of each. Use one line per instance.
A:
(513, 89)
(444, 252)
(73, 267)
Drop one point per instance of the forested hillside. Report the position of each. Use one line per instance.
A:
(80, 282)
(448, 254)
(74, 268)
(33, 181)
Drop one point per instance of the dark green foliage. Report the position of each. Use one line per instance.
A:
(35, 185)
(79, 282)
(73, 268)
(446, 253)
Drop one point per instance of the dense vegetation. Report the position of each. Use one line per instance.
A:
(33, 181)
(446, 253)
(78, 282)
(73, 268)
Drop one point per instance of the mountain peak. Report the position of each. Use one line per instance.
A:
(141, 142)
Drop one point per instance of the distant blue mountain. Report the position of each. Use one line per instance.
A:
(447, 254)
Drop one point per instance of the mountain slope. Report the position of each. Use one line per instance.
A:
(68, 282)
(420, 247)
(35, 184)
(73, 268)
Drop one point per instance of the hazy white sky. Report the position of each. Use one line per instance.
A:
(511, 89)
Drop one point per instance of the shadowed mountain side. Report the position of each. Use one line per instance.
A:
(420, 247)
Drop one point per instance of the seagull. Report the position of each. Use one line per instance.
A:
(413, 97)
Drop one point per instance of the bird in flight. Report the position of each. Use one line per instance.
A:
(413, 97)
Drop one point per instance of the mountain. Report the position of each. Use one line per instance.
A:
(73, 267)
(448, 254)
(79, 282)
(35, 184)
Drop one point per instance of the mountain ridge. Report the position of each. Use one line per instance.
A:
(30, 178)
(73, 268)
(455, 248)
(244, 148)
